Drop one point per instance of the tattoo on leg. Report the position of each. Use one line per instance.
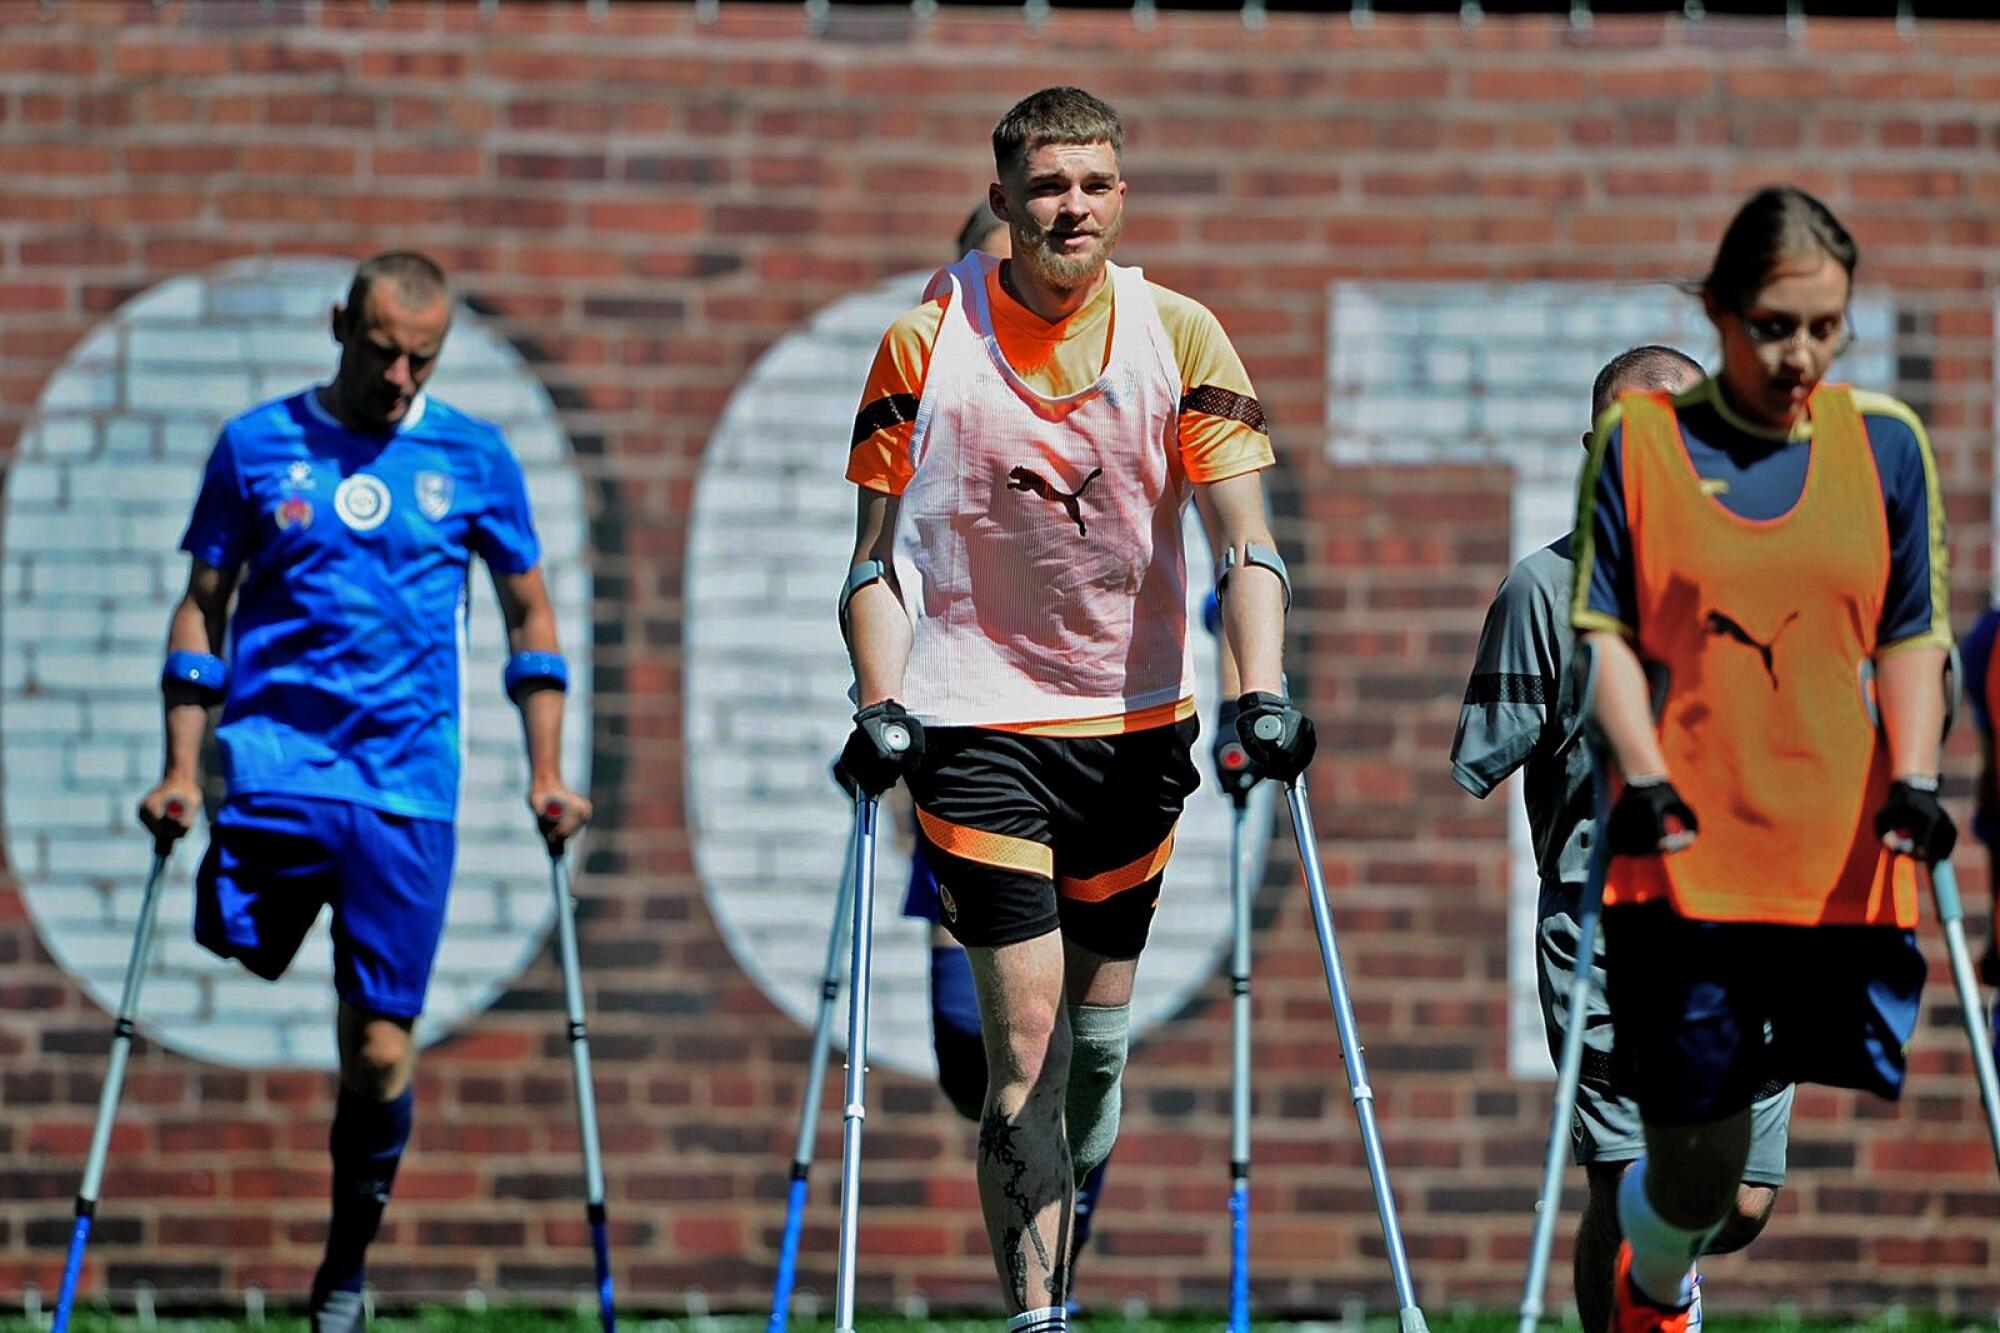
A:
(996, 1144)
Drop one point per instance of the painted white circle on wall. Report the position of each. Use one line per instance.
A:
(94, 507)
(767, 679)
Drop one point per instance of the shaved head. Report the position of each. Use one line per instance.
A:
(1652, 366)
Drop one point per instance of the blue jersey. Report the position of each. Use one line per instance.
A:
(346, 651)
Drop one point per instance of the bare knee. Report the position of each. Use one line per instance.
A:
(1747, 1220)
(377, 1055)
(1694, 1172)
(1027, 1051)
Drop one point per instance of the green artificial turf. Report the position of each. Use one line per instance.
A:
(523, 1320)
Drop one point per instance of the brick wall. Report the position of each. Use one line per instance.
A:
(644, 207)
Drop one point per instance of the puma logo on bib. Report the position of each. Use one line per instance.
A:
(1026, 479)
(1722, 627)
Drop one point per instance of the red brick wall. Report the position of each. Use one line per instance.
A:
(649, 204)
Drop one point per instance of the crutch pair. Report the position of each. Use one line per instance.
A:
(857, 901)
(1951, 916)
(121, 1047)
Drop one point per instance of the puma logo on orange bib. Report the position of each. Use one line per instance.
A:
(1722, 627)
(1026, 479)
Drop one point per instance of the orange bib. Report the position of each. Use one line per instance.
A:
(1767, 630)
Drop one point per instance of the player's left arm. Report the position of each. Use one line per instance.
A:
(537, 680)
(1915, 630)
(537, 677)
(1253, 609)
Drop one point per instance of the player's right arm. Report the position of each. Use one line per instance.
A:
(194, 675)
(886, 740)
(1650, 815)
(1516, 677)
(198, 627)
(877, 627)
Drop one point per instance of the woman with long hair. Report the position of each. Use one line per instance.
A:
(1761, 569)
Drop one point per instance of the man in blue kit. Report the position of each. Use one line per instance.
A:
(344, 518)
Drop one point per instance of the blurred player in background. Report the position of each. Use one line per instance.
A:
(1770, 546)
(1520, 712)
(1982, 690)
(343, 520)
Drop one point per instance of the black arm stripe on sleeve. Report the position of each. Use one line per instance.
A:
(1499, 687)
(889, 410)
(1212, 401)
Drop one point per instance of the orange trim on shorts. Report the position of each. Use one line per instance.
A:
(1106, 724)
(988, 849)
(1114, 882)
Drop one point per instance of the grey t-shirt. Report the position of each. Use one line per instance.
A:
(1520, 707)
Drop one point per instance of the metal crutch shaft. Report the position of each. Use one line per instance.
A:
(854, 1112)
(586, 1095)
(114, 1084)
(1239, 1092)
(802, 1152)
(1363, 1096)
(1569, 1073)
(1549, 1203)
(1951, 915)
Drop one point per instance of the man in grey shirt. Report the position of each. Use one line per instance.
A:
(1520, 711)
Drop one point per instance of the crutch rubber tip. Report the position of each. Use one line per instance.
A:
(1412, 1321)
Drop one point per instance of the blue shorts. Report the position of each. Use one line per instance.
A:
(273, 861)
(920, 899)
(1706, 1013)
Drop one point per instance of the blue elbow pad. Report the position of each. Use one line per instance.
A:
(544, 670)
(205, 673)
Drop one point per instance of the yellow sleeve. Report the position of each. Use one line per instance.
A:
(878, 455)
(1222, 428)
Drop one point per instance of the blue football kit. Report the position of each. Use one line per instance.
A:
(341, 730)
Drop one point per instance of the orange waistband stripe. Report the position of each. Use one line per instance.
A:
(1110, 724)
(988, 849)
(1113, 882)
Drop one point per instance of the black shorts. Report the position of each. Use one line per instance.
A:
(1706, 1015)
(1029, 834)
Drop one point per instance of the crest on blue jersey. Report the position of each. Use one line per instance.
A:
(362, 502)
(434, 494)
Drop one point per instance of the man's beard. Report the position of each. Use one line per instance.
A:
(1065, 273)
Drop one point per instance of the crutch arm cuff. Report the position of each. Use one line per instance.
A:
(204, 673)
(534, 671)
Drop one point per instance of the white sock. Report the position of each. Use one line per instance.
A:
(1048, 1319)
(1663, 1254)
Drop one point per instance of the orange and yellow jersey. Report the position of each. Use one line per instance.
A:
(1764, 575)
(1219, 431)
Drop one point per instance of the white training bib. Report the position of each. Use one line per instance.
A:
(1038, 543)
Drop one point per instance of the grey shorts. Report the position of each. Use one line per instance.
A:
(1605, 1127)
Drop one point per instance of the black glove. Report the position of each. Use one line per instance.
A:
(885, 745)
(1232, 764)
(1650, 818)
(1277, 738)
(1921, 826)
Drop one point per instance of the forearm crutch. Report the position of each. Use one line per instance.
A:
(1412, 1318)
(1570, 1072)
(861, 876)
(586, 1096)
(1951, 916)
(114, 1081)
(802, 1152)
(1239, 1090)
